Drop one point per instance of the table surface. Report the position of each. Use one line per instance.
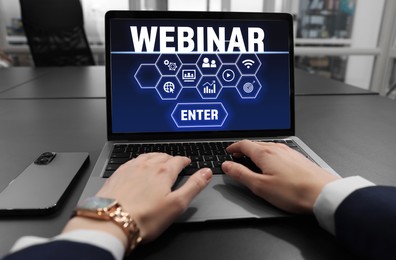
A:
(16, 76)
(65, 82)
(355, 134)
(89, 82)
(307, 84)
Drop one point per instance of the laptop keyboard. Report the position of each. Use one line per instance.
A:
(202, 154)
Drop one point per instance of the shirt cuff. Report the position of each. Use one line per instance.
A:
(331, 197)
(95, 238)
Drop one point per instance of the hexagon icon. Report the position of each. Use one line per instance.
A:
(248, 87)
(189, 75)
(209, 87)
(209, 63)
(248, 63)
(229, 75)
(168, 64)
(189, 57)
(147, 76)
(199, 114)
(169, 88)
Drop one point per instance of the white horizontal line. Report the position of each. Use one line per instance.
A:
(157, 52)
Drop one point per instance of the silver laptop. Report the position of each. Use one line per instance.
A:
(191, 83)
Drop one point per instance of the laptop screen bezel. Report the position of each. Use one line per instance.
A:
(196, 15)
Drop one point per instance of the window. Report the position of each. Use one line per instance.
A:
(340, 39)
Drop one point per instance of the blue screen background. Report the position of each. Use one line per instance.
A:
(138, 110)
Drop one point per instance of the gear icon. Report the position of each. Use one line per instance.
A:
(166, 62)
(172, 66)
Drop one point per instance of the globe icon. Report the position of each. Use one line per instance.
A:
(169, 87)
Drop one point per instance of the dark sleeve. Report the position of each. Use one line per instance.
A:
(365, 222)
(61, 250)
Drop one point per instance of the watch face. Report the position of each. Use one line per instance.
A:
(96, 202)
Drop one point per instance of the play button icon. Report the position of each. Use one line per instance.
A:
(228, 75)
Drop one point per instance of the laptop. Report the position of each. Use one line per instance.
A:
(192, 83)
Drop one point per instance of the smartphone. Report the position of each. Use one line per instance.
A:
(41, 187)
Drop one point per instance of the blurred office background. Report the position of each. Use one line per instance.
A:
(347, 40)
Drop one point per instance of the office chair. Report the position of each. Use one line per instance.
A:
(55, 32)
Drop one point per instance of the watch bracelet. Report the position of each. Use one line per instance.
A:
(121, 219)
(129, 226)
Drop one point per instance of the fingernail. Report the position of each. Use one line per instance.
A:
(206, 173)
(225, 165)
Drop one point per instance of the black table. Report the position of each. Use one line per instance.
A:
(355, 134)
(30, 127)
(64, 82)
(14, 77)
(307, 84)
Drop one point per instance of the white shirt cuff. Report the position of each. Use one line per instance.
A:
(331, 197)
(95, 238)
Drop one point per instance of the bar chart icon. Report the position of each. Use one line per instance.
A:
(209, 88)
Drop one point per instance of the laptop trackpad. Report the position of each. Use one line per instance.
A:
(224, 198)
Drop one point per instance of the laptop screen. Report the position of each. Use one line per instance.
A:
(178, 72)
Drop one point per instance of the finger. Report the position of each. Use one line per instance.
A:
(176, 162)
(241, 174)
(158, 158)
(159, 163)
(175, 165)
(193, 186)
(154, 157)
(244, 147)
(273, 144)
(267, 143)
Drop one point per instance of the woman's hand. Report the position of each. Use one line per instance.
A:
(143, 186)
(289, 180)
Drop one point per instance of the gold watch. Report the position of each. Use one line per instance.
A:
(110, 210)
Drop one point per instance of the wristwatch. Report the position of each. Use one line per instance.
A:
(107, 209)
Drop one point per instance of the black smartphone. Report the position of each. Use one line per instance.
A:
(40, 188)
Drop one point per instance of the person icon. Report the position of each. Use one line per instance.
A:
(205, 63)
(213, 64)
